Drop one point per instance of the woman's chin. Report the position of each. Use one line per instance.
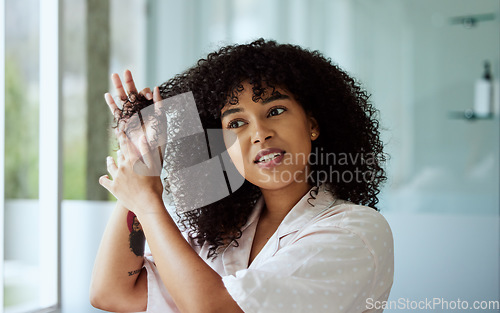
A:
(272, 180)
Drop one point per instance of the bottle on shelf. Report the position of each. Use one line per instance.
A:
(484, 93)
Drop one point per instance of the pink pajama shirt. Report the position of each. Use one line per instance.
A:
(327, 255)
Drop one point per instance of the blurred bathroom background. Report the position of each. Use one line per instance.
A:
(419, 59)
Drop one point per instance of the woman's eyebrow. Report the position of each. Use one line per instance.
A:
(277, 96)
(230, 111)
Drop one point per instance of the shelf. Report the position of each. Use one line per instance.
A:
(469, 115)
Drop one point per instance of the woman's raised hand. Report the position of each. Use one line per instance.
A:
(129, 185)
(124, 94)
(132, 126)
(138, 165)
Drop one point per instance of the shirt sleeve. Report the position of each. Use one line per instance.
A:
(325, 269)
(159, 300)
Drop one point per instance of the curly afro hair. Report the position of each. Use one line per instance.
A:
(350, 138)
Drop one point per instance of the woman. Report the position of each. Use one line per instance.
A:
(301, 233)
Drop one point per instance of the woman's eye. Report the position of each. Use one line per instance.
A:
(235, 124)
(276, 111)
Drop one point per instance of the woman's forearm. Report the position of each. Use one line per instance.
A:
(118, 283)
(193, 284)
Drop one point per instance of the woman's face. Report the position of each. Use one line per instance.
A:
(269, 141)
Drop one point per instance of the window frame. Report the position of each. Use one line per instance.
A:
(50, 154)
(2, 143)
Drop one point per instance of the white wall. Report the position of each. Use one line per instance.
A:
(420, 68)
(445, 256)
(83, 224)
(417, 66)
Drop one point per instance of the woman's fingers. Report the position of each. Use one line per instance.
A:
(105, 182)
(111, 166)
(129, 91)
(156, 95)
(112, 105)
(129, 82)
(151, 165)
(119, 157)
(117, 82)
(146, 92)
(123, 141)
(145, 152)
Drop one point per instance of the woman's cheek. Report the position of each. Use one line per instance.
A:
(236, 156)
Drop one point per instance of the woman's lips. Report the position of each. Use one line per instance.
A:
(269, 158)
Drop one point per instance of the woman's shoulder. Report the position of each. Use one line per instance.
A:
(348, 222)
(344, 214)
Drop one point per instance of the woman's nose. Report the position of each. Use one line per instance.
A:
(261, 132)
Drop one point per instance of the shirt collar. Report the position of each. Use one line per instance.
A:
(310, 205)
(254, 216)
(315, 201)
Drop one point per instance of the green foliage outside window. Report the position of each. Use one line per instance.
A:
(21, 142)
(21, 129)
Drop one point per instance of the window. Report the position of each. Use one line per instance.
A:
(30, 261)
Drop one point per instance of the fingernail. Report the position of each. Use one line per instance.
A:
(149, 96)
(109, 159)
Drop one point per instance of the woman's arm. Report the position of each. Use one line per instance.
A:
(119, 283)
(192, 283)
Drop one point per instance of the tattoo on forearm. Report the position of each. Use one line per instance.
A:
(136, 238)
(134, 272)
